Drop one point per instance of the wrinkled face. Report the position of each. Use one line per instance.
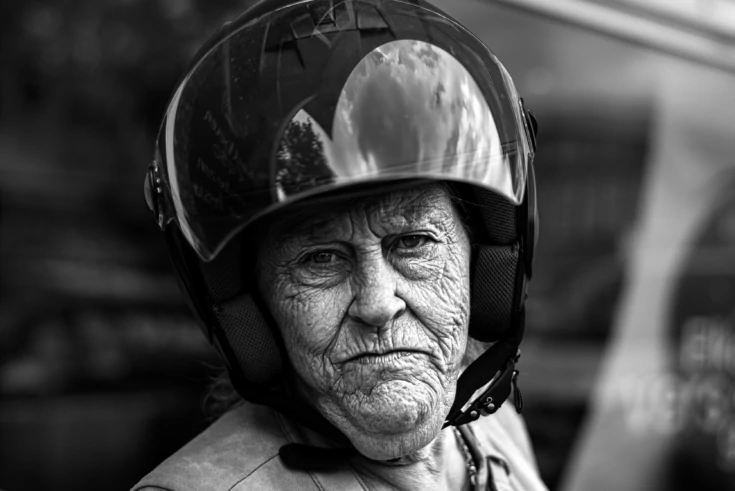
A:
(372, 300)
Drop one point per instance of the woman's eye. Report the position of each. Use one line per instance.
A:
(411, 241)
(322, 257)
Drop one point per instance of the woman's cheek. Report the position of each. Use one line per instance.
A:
(309, 326)
(444, 306)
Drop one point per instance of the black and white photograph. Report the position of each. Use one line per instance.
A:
(370, 245)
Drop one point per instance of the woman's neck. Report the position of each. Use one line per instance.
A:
(438, 466)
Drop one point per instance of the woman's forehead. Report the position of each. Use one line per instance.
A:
(428, 203)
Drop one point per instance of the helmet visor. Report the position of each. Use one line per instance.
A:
(247, 132)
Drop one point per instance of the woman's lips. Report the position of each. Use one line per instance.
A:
(380, 358)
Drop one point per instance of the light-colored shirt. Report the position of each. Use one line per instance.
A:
(240, 452)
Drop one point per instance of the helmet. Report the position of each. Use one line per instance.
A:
(297, 99)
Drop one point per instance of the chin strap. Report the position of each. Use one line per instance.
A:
(476, 395)
(488, 398)
(307, 458)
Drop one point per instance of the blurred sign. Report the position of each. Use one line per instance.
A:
(665, 406)
(703, 324)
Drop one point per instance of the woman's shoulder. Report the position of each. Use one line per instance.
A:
(505, 429)
(504, 440)
(238, 451)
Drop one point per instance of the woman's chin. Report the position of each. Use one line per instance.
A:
(395, 419)
(391, 407)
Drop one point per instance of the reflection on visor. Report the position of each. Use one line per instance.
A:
(252, 129)
(408, 110)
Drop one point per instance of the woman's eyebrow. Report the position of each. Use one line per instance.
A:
(433, 217)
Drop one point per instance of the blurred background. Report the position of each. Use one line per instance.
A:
(628, 366)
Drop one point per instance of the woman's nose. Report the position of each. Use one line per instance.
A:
(376, 301)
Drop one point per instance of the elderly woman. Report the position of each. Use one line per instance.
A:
(347, 193)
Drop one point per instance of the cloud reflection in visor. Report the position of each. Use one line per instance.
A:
(408, 110)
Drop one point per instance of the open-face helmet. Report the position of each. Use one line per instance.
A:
(294, 100)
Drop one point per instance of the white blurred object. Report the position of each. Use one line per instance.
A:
(636, 412)
(702, 31)
(713, 17)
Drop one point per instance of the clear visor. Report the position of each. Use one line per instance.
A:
(232, 151)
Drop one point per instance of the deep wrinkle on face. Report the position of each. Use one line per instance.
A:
(371, 297)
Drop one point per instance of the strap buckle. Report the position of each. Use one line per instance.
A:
(487, 399)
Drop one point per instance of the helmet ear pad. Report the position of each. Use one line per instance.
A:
(492, 220)
(492, 291)
(250, 333)
(252, 342)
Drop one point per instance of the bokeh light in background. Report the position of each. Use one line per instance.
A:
(627, 367)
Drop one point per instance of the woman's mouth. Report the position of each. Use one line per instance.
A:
(381, 358)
